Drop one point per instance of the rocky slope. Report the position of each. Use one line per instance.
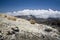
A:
(12, 28)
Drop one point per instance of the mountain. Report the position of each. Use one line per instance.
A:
(49, 20)
(13, 28)
(52, 21)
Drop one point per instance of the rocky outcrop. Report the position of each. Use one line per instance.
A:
(22, 29)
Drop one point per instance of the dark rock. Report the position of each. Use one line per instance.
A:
(48, 30)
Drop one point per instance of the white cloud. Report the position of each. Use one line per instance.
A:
(41, 13)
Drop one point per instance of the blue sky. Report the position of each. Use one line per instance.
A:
(15, 5)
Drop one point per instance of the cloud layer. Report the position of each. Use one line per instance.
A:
(41, 13)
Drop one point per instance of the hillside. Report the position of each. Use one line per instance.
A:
(51, 21)
(13, 28)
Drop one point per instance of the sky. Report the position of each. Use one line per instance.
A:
(16, 5)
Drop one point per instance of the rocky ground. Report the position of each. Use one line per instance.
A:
(21, 29)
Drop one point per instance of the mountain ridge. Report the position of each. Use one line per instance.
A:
(27, 31)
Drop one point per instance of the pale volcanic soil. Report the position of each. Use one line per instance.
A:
(27, 31)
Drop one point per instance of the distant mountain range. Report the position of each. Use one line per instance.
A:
(49, 20)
